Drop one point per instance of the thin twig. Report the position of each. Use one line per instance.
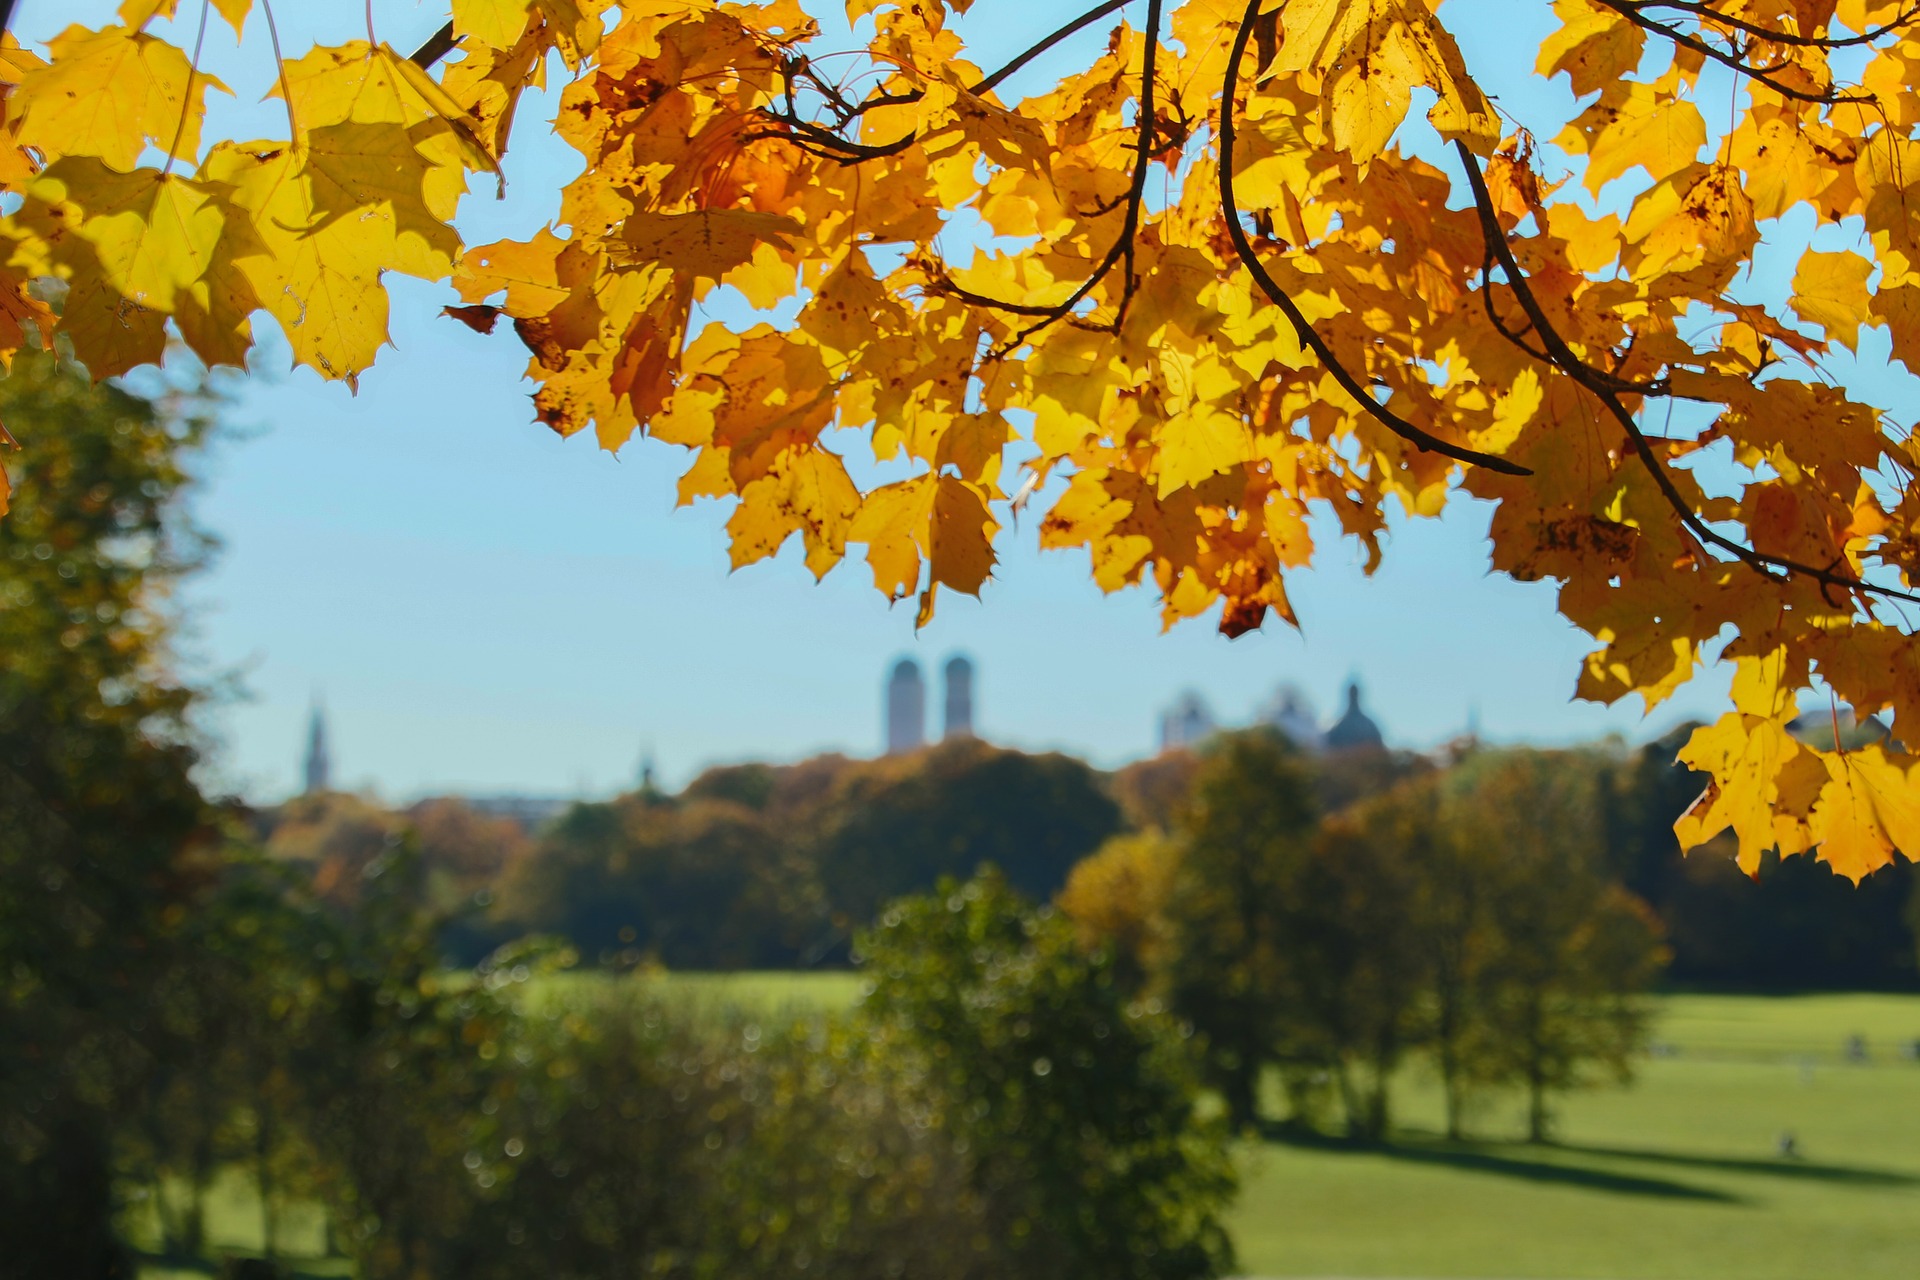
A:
(1086, 19)
(1308, 336)
(1631, 12)
(1707, 13)
(847, 113)
(1122, 248)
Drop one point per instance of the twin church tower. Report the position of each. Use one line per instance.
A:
(907, 704)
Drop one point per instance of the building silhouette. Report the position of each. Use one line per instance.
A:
(906, 708)
(1186, 724)
(1356, 728)
(1291, 713)
(319, 764)
(959, 677)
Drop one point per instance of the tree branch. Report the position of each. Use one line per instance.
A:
(1123, 244)
(1598, 384)
(1707, 13)
(853, 152)
(438, 46)
(1269, 286)
(1631, 11)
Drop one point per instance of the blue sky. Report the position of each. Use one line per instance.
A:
(486, 607)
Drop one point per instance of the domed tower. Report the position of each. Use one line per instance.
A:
(1355, 729)
(959, 676)
(906, 708)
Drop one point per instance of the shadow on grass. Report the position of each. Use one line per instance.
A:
(1806, 1169)
(1501, 1161)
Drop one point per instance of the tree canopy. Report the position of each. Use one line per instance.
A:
(1205, 284)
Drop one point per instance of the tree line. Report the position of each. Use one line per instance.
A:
(775, 866)
(749, 867)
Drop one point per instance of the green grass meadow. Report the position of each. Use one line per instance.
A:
(1676, 1177)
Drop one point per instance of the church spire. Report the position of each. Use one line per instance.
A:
(319, 766)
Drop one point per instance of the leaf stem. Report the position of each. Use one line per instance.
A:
(193, 72)
(280, 61)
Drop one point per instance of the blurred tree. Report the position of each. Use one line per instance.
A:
(332, 838)
(1347, 777)
(1352, 968)
(1117, 898)
(1234, 902)
(1075, 1105)
(103, 834)
(897, 825)
(1572, 952)
(393, 1071)
(704, 884)
(1153, 791)
(462, 850)
(751, 786)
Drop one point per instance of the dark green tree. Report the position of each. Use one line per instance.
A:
(1074, 1105)
(104, 838)
(696, 884)
(1235, 906)
(1571, 954)
(896, 826)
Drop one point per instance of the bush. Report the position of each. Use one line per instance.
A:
(1073, 1109)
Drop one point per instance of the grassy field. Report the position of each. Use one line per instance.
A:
(1675, 1178)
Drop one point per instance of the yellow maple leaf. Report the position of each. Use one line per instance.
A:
(137, 13)
(1868, 811)
(528, 273)
(1830, 291)
(706, 242)
(321, 281)
(1635, 125)
(153, 233)
(1372, 54)
(1198, 443)
(1898, 307)
(1595, 46)
(497, 23)
(372, 175)
(1744, 756)
(892, 523)
(65, 108)
(805, 491)
(960, 551)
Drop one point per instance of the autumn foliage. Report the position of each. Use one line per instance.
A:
(1212, 280)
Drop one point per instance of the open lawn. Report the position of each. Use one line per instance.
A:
(1677, 1176)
